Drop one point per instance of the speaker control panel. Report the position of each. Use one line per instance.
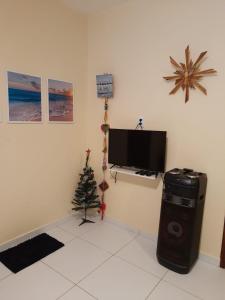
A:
(178, 200)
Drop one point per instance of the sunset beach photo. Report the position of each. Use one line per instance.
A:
(60, 96)
(24, 97)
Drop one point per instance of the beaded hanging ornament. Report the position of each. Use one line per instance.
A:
(104, 90)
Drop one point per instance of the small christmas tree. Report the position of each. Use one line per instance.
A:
(85, 195)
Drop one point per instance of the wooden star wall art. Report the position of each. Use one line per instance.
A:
(188, 74)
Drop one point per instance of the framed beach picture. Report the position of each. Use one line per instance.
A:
(60, 101)
(24, 98)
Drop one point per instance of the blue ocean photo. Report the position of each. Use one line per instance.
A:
(60, 96)
(24, 92)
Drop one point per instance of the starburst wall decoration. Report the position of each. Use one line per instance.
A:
(188, 74)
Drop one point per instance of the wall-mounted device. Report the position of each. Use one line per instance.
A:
(140, 149)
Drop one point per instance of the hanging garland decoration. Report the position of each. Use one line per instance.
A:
(104, 90)
(104, 185)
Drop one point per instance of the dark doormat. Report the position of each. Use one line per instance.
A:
(29, 252)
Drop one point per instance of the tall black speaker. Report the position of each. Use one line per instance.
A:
(181, 219)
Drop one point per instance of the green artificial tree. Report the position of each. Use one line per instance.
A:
(86, 193)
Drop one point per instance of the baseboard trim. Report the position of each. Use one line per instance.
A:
(121, 224)
(209, 259)
(22, 238)
(203, 257)
(30, 234)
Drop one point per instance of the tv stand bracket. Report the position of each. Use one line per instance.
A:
(131, 172)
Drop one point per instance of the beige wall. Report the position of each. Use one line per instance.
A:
(134, 42)
(39, 163)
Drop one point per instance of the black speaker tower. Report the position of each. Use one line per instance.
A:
(181, 219)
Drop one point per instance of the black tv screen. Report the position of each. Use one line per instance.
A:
(142, 149)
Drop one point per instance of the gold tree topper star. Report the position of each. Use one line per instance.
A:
(188, 74)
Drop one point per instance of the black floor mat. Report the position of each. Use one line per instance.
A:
(29, 252)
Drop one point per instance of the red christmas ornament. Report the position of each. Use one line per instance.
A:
(102, 209)
(103, 186)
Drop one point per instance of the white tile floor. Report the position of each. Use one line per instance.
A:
(105, 262)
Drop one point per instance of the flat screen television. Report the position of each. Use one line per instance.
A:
(141, 149)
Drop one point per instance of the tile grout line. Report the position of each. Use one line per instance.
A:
(99, 248)
(137, 234)
(68, 232)
(182, 289)
(94, 245)
(154, 288)
(68, 218)
(142, 269)
(94, 269)
(135, 237)
(65, 293)
(62, 275)
(132, 264)
(76, 284)
(78, 237)
(74, 236)
(102, 249)
(87, 292)
(125, 245)
(11, 274)
(214, 261)
(112, 255)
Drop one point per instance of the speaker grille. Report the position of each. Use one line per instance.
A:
(176, 233)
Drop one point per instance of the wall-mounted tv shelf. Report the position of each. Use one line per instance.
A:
(131, 172)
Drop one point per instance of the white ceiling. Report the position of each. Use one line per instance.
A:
(92, 6)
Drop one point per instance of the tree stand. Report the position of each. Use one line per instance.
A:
(85, 220)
